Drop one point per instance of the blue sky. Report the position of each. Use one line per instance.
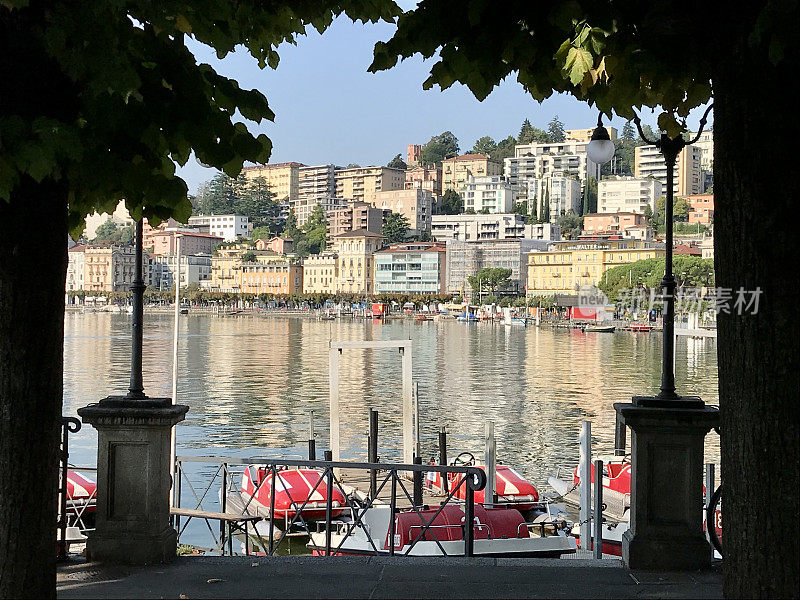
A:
(330, 110)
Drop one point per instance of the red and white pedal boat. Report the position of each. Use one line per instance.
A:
(293, 489)
(81, 500)
(512, 488)
(498, 532)
(616, 496)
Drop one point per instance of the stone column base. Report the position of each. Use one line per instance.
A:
(133, 480)
(133, 549)
(666, 525)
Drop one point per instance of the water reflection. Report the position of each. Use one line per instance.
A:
(251, 383)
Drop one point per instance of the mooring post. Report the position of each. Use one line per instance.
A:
(408, 403)
(469, 518)
(598, 509)
(333, 374)
(585, 470)
(490, 494)
(710, 486)
(372, 451)
(620, 434)
(415, 394)
(443, 456)
(417, 483)
(312, 443)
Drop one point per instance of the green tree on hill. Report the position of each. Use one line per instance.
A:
(439, 147)
(451, 203)
(555, 130)
(397, 163)
(105, 230)
(395, 227)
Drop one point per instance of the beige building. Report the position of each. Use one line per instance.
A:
(109, 268)
(283, 179)
(585, 135)
(120, 217)
(568, 266)
(361, 182)
(416, 205)
(320, 273)
(688, 178)
(358, 215)
(356, 260)
(160, 242)
(456, 171)
(624, 194)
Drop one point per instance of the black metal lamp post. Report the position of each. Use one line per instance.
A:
(670, 147)
(136, 388)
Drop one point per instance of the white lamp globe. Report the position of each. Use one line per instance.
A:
(600, 151)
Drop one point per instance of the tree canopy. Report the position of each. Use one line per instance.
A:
(134, 100)
(239, 196)
(490, 279)
(528, 133)
(614, 58)
(451, 203)
(690, 271)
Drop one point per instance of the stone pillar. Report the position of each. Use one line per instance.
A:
(133, 479)
(666, 525)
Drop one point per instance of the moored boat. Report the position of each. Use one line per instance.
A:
(294, 490)
(497, 532)
(512, 488)
(599, 329)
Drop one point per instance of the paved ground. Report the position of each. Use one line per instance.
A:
(380, 577)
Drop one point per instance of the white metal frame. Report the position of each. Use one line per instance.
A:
(404, 347)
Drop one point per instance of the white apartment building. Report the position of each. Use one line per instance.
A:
(541, 159)
(688, 177)
(228, 227)
(564, 192)
(316, 185)
(415, 204)
(494, 194)
(627, 194)
(463, 227)
(194, 268)
(75, 268)
(543, 231)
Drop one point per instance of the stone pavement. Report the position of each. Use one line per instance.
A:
(380, 577)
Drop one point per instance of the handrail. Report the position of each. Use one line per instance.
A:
(711, 527)
(67, 425)
(474, 479)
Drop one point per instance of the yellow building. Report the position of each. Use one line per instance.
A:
(283, 179)
(568, 266)
(585, 135)
(320, 272)
(272, 274)
(358, 183)
(356, 260)
(456, 171)
(269, 272)
(109, 268)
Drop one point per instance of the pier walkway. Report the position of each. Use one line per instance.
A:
(381, 577)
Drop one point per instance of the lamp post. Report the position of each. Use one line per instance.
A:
(667, 430)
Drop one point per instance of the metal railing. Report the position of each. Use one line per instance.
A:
(68, 425)
(293, 520)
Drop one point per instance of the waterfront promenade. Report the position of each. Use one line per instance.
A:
(380, 577)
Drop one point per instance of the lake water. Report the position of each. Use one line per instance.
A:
(251, 382)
